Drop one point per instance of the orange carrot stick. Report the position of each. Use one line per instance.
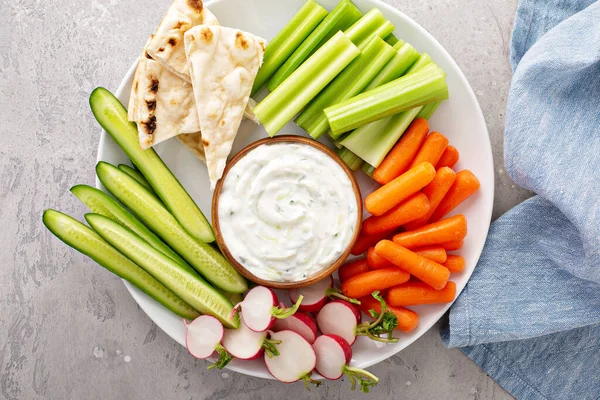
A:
(415, 292)
(435, 192)
(449, 246)
(432, 149)
(399, 158)
(464, 186)
(407, 319)
(430, 272)
(363, 242)
(366, 283)
(375, 261)
(395, 192)
(451, 229)
(449, 157)
(437, 254)
(415, 207)
(455, 263)
(352, 268)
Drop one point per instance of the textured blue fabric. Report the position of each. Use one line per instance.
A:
(530, 315)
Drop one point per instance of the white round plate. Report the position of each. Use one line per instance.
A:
(459, 118)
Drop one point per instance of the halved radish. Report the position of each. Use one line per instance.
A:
(296, 359)
(333, 356)
(343, 319)
(203, 338)
(260, 309)
(340, 318)
(245, 344)
(315, 296)
(301, 323)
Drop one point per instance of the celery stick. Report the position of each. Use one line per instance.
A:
(424, 86)
(370, 24)
(405, 56)
(373, 144)
(340, 18)
(391, 39)
(288, 39)
(423, 60)
(349, 83)
(305, 83)
(368, 169)
(350, 159)
(428, 110)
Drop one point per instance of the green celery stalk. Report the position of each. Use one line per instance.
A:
(305, 83)
(428, 110)
(372, 142)
(424, 86)
(368, 169)
(288, 39)
(405, 56)
(350, 159)
(392, 40)
(370, 24)
(340, 18)
(350, 82)
(423, 60)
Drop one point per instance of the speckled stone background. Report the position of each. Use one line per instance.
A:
(69, 329)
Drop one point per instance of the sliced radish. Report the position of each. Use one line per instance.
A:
(245, 344)
(301, 323)
(203, 338)
(296, 359)
(315, 296)
(333, 356)
(339, 318)
(260, 308)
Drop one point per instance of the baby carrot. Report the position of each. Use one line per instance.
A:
(437, 254)
(430, 272)
(435, 192)
(399, 158)
(449, 246)
(455, 263)
(449, 157)
(375, 261)
(465, 185)
(364, 241)
(451, 229)
(366, 283)
(352, 268)
(432, 149)
(415, 292)
(395, 192)
(407, 319)
(415, 207)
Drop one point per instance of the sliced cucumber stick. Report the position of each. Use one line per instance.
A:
(137, 175)
(112, 116)
(86, 241)
(100, 203)
(201, 256)
(189, 287)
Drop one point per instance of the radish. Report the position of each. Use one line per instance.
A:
(343, 319)
(315, 296)
(260, 309)
(203, 338)
(245, 344)
(333, 356)
(296, 359)
(301, 323)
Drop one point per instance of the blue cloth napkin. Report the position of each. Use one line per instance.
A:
(530, 315)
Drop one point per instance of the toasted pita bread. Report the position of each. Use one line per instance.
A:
(223, 63)
(167, 45)
(193, 141)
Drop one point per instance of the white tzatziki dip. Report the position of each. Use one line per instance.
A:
(287, 211)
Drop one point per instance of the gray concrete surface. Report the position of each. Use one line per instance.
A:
(70, 330)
